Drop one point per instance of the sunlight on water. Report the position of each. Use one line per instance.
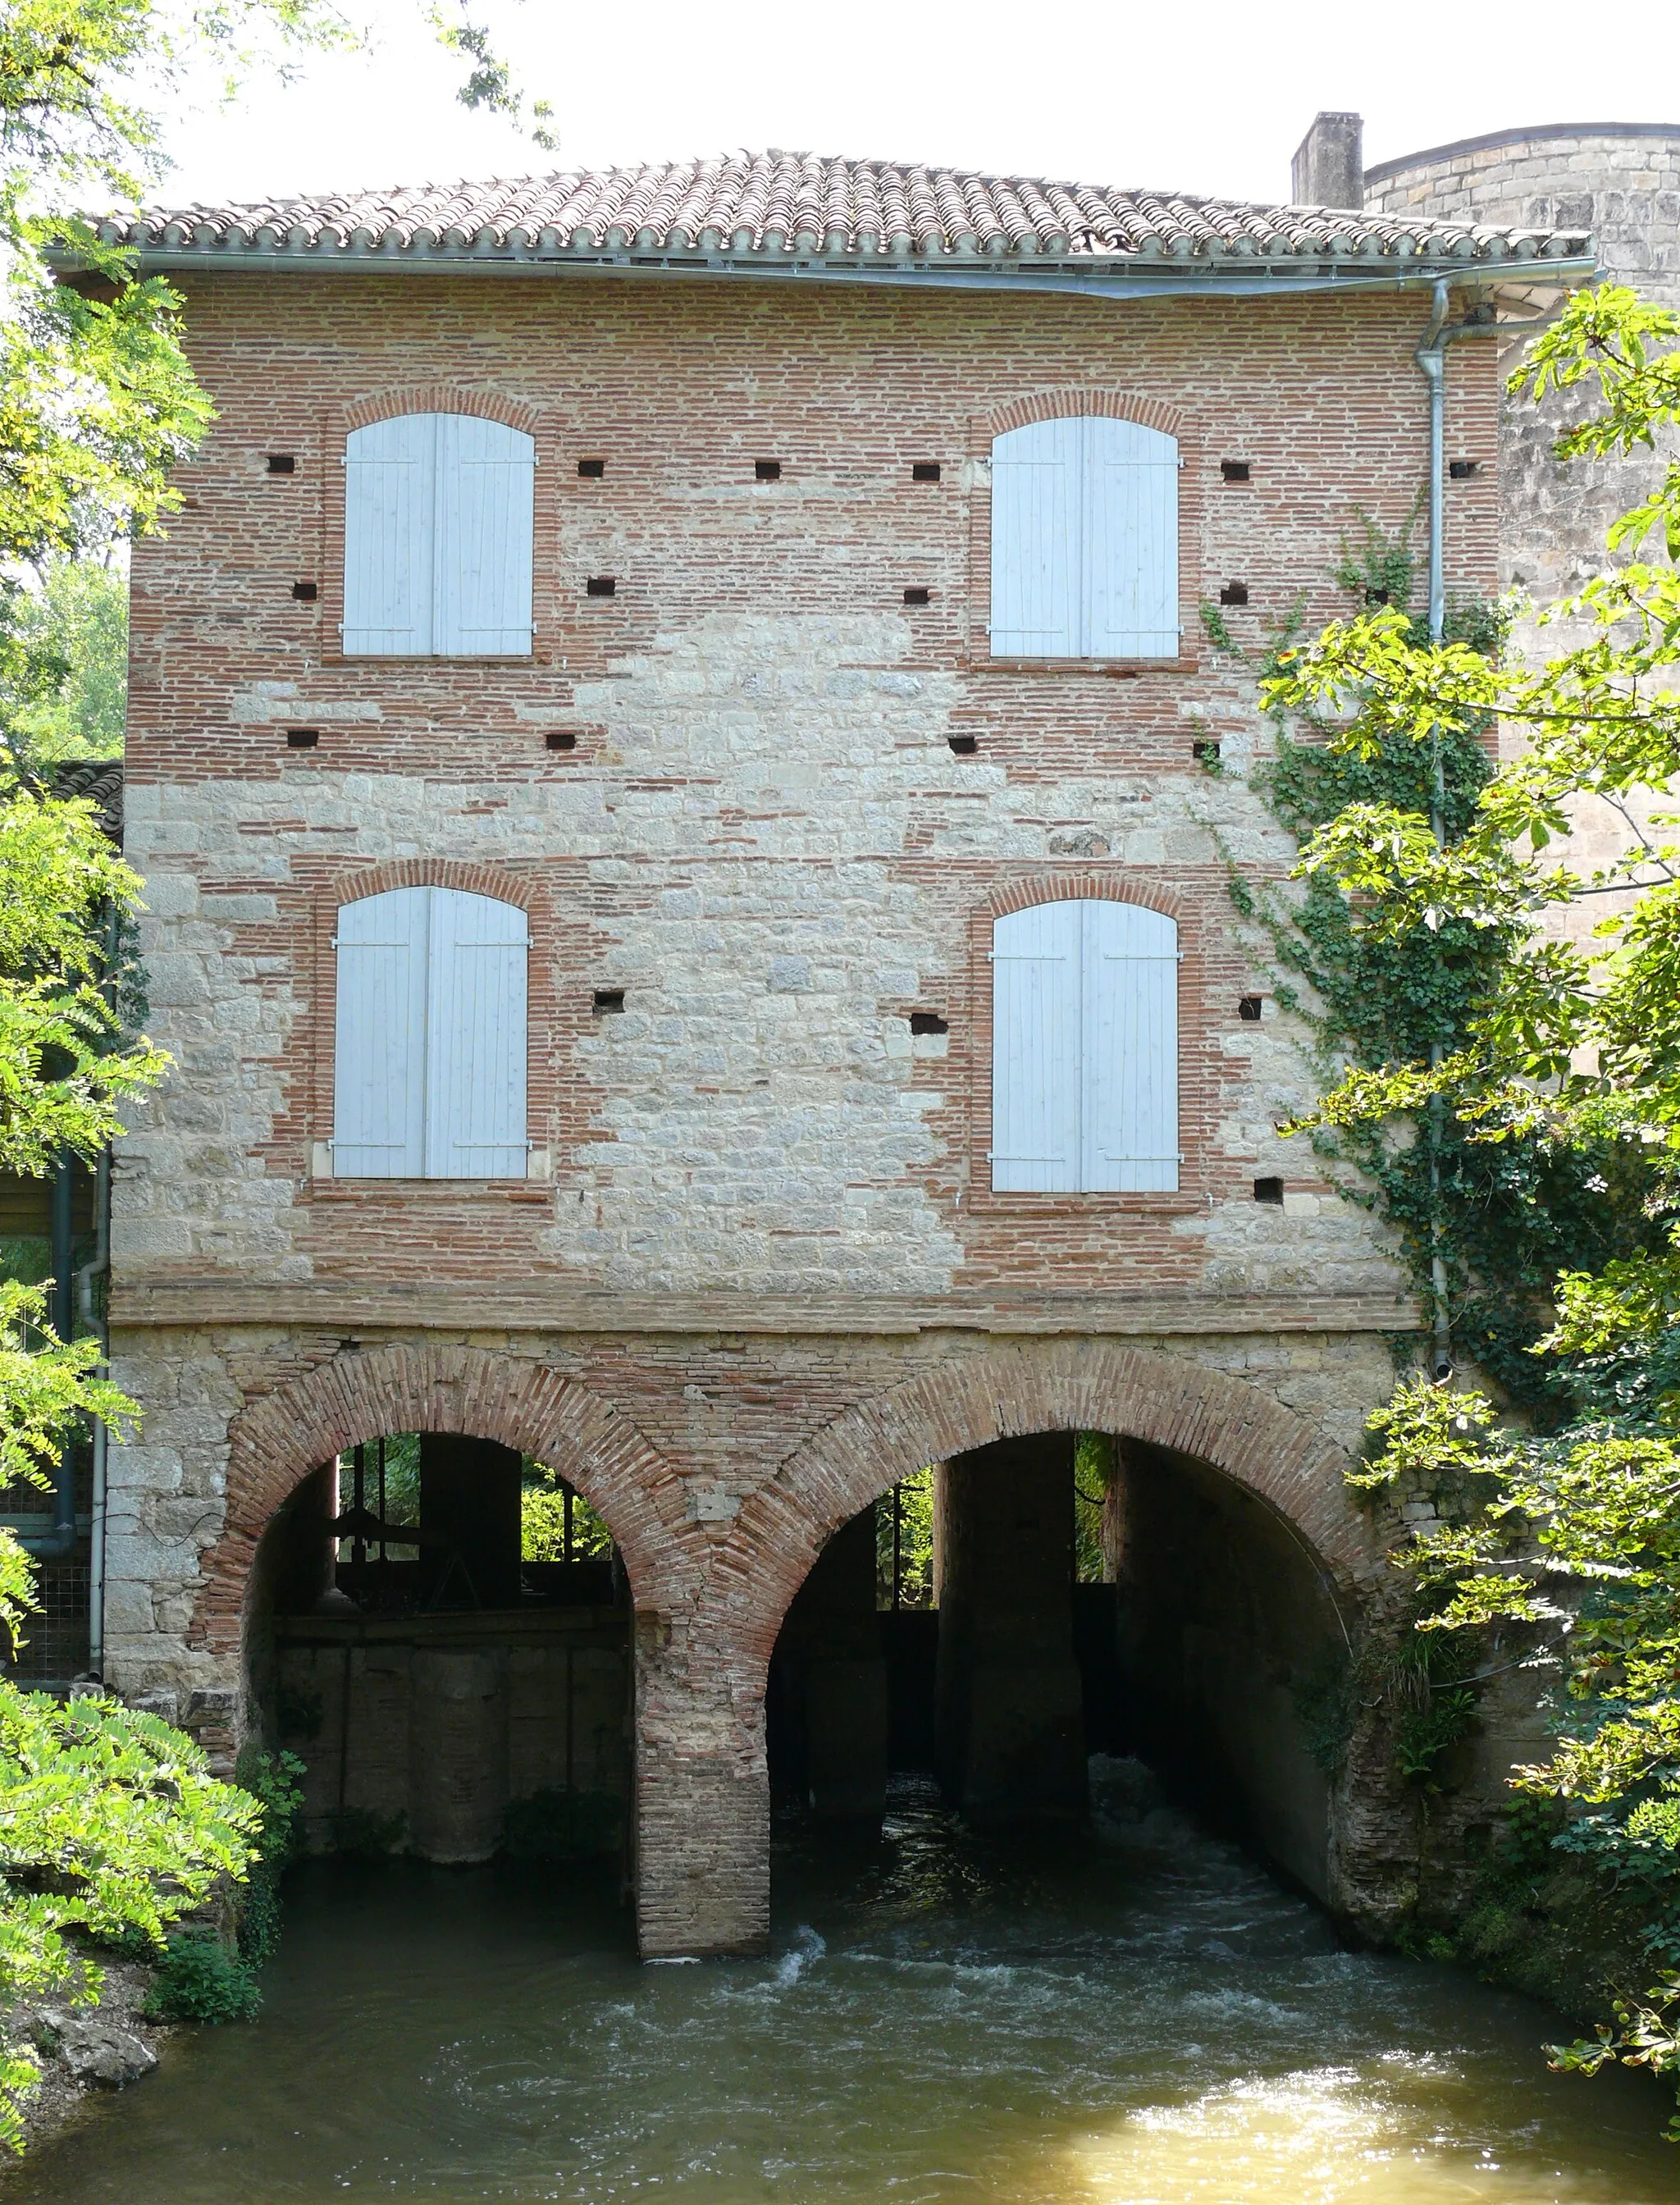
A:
(1323, 2137)
(1135, 2017)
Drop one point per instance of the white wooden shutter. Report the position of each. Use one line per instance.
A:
(390, 537)
(485, 474)
(380, 1045)
(1130, 485)
(1130, 1035)
(1037, 548)
(1035, 1087)
(475, 1088)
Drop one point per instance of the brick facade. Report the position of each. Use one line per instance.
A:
(757, 1273)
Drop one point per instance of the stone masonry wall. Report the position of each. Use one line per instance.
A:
(1624, 188)
(757, 1272)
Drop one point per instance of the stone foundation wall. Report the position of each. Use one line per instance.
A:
(722, 1466)
(454, 1736)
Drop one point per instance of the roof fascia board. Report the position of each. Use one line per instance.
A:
(1228, 278)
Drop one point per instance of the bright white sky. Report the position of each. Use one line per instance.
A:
(1209, 96)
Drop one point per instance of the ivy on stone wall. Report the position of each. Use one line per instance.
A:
(1508, 1217)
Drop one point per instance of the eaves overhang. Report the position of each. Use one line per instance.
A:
(1128, 275)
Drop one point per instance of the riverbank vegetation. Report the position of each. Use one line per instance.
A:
(1551, 1535)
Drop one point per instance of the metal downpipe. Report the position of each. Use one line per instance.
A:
(1431, 357)
(53, 1545)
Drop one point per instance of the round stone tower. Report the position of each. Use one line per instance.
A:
(1619, 180)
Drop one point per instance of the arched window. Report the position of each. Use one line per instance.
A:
(437, 534)
(1085, 541)
(1085, 1050)
(428, 1073)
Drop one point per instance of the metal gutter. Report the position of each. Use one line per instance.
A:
(1234, 276)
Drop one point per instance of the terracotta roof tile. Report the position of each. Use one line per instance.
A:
(776, 205)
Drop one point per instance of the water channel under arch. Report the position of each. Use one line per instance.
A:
(1134, 2013)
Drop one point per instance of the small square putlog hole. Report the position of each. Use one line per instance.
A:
(929, 1022)
(591, 470)
(916, 594)
(302, 738)
(1464, 470)
(305, 592)
(1248, 1007)
(767, 470)
(608, 999)
(283, 463)
(560, 739)
(1234, 594)
(1234, 470)
(1269, 1190)
(1207, 752)
(924, 471)
(965, 746)
(602, 586)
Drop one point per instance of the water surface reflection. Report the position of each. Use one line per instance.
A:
(1138, 2015)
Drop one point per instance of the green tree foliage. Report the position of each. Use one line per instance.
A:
(66, 1063)
(1503, 1218)
(543, 1520)
(70, 664)
(1566, 1540)
(112, 1828)
(910, 1505)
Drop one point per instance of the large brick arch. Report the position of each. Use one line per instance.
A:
(968, 1400)
(278, 1438)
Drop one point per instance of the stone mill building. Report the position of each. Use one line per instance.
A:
(687, 807)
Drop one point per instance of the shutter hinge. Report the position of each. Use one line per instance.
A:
(333, 944)
(1177, 956)
(991, 956)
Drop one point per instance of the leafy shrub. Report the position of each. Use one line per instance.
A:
(273, 1781)
(200, 1980)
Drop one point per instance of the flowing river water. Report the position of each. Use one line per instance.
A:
(1136, 2016)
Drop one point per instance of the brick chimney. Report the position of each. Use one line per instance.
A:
(1329, 165)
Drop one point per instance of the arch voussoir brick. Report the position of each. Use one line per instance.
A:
(1013, 1391)
(279, 1438)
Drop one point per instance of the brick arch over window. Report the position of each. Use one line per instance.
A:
(968, 1401)
(440, 398)
(1066, 405)
(508, 883)
(279, 1438)
(1117, 881)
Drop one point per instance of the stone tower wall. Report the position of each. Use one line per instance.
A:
(1621, 182)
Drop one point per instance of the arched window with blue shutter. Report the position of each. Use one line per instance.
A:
(437, 537)
(1085, 1050)
(430, 1061)
(1085, 540)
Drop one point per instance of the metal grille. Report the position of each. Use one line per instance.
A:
(57, 1647)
